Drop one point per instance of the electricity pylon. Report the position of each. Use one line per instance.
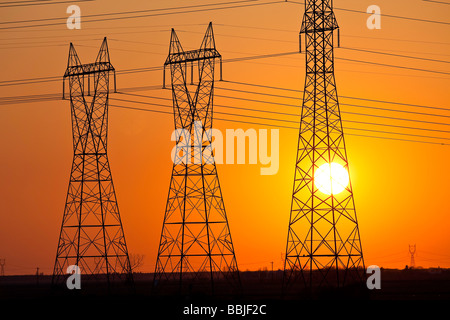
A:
(323, 244)
(195, 247)
(2, 266)
(412, 252)
(91, 236)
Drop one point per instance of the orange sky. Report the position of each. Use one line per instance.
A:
(400, 188)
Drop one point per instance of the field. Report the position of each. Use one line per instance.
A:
(260, 289)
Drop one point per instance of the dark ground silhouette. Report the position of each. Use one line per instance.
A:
(259, 288)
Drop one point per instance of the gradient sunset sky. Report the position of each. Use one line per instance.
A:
(401, 188)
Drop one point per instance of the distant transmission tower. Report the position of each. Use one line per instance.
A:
(91, 233)
(2, 266)
(195, 247)
(323, 244)
(412, 252)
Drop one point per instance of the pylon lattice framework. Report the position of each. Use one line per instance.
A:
(412, 252)
(91, 234)
(195, 244)
(323, 244)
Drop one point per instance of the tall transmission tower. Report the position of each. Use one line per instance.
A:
(195, 247)
(91, 234)
(323, 244)
(412, 252)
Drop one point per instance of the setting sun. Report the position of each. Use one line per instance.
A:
(331, 179)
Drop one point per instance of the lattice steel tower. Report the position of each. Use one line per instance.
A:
(91, 235)
(323, 245)
(412, 252)
(195, 246)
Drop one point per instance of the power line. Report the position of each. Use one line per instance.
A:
(290, 105)
(440, 2)
(279, 126)
(49, 41)
(395, 55)
(47, 97)
(395, 110)
(142, 29)
(228, 25)
(350, 60)
(398, 40)
(125, 71)
(298, 106)
(27, 98)
(274, 112)
(384, 15)
(347, 48)
(54, 96)
(50, 79)
(30, 79)
(58, 78)
(271, 112)
(187, 11)
(393, 66)
(349, 97)
(128, 12)
(126, 50)
(344, 104)
(57, 96)
(344, 35)
(139, 16)
(262, 56)
(36, 3)
(25, 1)
(296, 121)
(357, 49)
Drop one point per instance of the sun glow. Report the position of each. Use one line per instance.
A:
(331, 178)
